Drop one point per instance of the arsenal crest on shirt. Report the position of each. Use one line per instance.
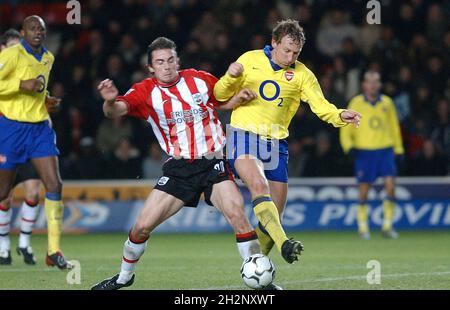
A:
(289, 75)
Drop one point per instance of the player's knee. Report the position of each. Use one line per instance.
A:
(32, 196)
(141, 230)
(259, 186)
(54, 187)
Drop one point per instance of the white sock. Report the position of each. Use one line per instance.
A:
(248, 244)
(29, 215)
(5, 226)
(131, 254)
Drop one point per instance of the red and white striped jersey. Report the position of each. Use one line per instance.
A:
(181, 114)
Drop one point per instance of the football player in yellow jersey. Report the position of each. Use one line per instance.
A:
(256, 138)
(25, 129)
(374, 145)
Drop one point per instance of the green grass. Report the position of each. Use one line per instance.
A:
(332, 260)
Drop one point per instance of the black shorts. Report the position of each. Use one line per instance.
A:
(187, 179)
(25, 172)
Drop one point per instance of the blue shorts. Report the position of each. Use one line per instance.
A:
(369, 165)
(272, 153)
(20, 141)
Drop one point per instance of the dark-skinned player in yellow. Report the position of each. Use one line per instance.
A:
(25, 130)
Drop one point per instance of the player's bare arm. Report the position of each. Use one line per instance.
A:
(109, 93)
(351, 116)
(52, 103)
(245, 95)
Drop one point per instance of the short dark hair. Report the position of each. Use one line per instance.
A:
(160, 44)
(289, 27)
(8, 35)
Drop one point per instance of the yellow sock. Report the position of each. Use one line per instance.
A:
(54, 213)
(361, 216)
(265, 241)
(267, 214)
(388, 214)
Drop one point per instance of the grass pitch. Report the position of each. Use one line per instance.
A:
(332, 260)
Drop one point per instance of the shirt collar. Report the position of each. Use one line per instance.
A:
(267, 51)
(168, 85)
(378, 99)
(31, 52)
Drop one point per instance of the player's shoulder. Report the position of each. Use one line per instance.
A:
(252, 55)
(301, 69)
(387, 99)
(50, 55)
(207, 77)
(12, 51)
(358, 99)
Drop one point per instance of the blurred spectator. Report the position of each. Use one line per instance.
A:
(111, 132)
(335, 28)
(429, 162)
(153, 162)
(124, 163)
(322, 162)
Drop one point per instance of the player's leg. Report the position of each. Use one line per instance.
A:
(226, 197)
(158, 207)
(388, 170)
(29, 213)
(366, 172)
(6, 181)
(48, 170)
(362, 212)
(251, 172)
(389, 209)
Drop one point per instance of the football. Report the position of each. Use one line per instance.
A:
(258, 271)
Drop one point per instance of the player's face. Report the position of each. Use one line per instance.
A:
(285, 52)
(34, 32)
(371, 84)
(164, 65)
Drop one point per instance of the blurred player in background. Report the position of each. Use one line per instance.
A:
(374, 146)
(180, 107)
(29, 211)
(25, 128)
(280, 81)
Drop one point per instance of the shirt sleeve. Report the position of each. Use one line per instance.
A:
(136, 100)
(346, 136)
(210, 81)
(228, 86)
(8, 63)
(312, 94)
(395, 128)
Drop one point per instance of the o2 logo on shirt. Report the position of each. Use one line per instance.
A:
(271, 83)
(42, 79)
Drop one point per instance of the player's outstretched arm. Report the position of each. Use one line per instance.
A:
(350, 116)
(245, 95)
(109, 93)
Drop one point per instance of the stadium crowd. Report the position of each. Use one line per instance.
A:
(410, 48)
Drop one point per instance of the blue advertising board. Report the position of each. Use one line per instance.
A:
(313, 204)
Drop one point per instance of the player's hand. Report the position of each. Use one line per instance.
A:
(350, 116)
(245, 95)
(52, 104)
(108, 90)
(235, 69)
(32, 85)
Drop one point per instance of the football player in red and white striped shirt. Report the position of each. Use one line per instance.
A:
(180, 106)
